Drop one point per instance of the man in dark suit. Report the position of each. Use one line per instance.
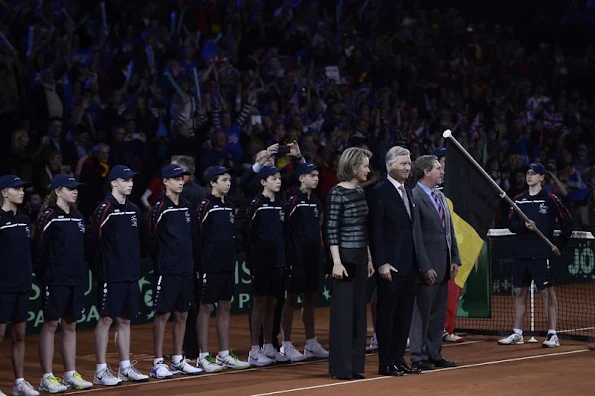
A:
(438, 261)
(395, 237)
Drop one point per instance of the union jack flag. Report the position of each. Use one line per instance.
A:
(552, 120)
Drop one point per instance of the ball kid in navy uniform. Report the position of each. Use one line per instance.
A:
(115, 243)
(216, 270)
(266, 260)
(304, 243)
(532, 253)
(16, 268)
(171, 239)
(59, 263)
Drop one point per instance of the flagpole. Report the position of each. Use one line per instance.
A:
(448, 135)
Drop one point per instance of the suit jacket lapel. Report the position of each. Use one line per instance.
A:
(393, 190)
(426, 199)
(447, 218)
(411, 204)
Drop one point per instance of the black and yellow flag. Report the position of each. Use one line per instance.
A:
(473, 201)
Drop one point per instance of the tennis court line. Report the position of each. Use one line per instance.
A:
(454, 344)
(488, 363)
(99, 388)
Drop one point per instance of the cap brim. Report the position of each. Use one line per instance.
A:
(308, 171)
(271, 173)
(129, 175)
(224, 171)
(526, 168)
(73, 185)
(176, 175)
(22, 183)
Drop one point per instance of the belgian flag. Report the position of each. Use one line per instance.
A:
(473, 201)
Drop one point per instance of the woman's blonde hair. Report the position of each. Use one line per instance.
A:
(51, 199)
(16, 137)
(350, 160)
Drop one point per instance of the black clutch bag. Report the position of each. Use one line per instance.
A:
(351, 268)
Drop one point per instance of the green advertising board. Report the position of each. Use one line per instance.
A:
(492, 276)
(240, 302)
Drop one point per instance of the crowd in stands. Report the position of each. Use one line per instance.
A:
(86, 86)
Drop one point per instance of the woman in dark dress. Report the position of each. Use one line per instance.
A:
(347, 239)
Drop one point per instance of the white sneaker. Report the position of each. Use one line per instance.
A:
(185, 368)
(2, 393)
(106, 377)
(132, 374)
(75, 381)
(513, 339)
(161, 371)
(51, 384)
(315, 350)
(231, 361)
(373, 344)
(258, 358)
(289, 351)
(274, 354)
(24, 389)
(446, 337)
(208, 364)
(551, 341)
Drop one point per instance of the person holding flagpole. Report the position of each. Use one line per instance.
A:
(533, 253)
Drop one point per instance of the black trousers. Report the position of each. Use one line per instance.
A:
(394, 312)
(348, 327)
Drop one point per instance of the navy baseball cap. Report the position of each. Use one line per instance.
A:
(65, 181)
(12, 181)
(305, 168)
(537, 168)
(173, 170)
(439, 152)
(216, 171)
(120, 172)
(267, 171)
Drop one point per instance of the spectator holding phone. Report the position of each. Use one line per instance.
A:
(249, 182)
